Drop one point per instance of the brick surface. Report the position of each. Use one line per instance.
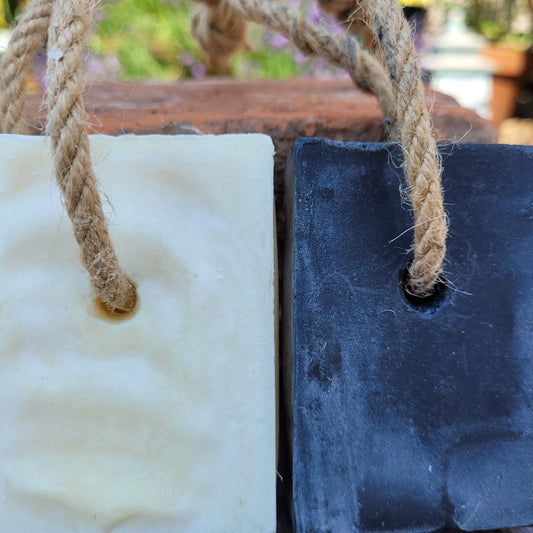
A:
(285, 110)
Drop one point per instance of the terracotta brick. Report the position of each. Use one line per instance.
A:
(284, 110)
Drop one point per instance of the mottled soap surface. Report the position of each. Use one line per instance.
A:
(163, 422)
(409, 415)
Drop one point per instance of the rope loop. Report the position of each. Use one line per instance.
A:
(392, 73)
(389, 69)
(219, 29)
(27, 39)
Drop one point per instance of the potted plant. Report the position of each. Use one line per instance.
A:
(507, 24)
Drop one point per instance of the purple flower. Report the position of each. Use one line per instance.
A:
(186, 59)
(198, 71)
(94, 67)
(276, 40)
(300, 57)
(313, 14)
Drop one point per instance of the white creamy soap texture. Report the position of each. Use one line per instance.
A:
(164, 422)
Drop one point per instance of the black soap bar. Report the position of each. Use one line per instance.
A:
(408, 415)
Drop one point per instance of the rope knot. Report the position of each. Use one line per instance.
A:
(221, 32)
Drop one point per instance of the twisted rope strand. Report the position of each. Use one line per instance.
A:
(27, 39)
(348, 13)
(421, 159)
(222, 29)
(67, 118)
(400, 95)
(340, 50)
(407, 109)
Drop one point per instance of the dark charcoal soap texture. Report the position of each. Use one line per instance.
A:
(408, 416)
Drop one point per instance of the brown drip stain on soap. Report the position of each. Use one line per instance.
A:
(99, 310)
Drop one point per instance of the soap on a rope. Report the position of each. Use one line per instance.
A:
(165, 420)
(405, 414)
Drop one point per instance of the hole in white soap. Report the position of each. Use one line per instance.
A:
(101, 311)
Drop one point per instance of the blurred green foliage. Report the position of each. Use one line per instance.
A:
(494, 19)
(264, 63)
(152, 39)
(8, 10)
(148, 37)
(507, 22)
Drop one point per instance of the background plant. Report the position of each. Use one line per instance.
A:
(506, 21)
(6, 16)
(152, 39)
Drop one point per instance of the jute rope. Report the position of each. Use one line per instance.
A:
(422, 164)
(27, 38)
(223, 29)
(67, 23)
(391, 32)
(66, 127)
(407, 108)
(399, 92)
(340, 50)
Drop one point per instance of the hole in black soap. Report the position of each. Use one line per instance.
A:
(426, 304)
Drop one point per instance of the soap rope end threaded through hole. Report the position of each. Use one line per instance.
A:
(112, 314)
(429, 302)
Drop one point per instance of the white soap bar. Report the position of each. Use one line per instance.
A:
(164, 422)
